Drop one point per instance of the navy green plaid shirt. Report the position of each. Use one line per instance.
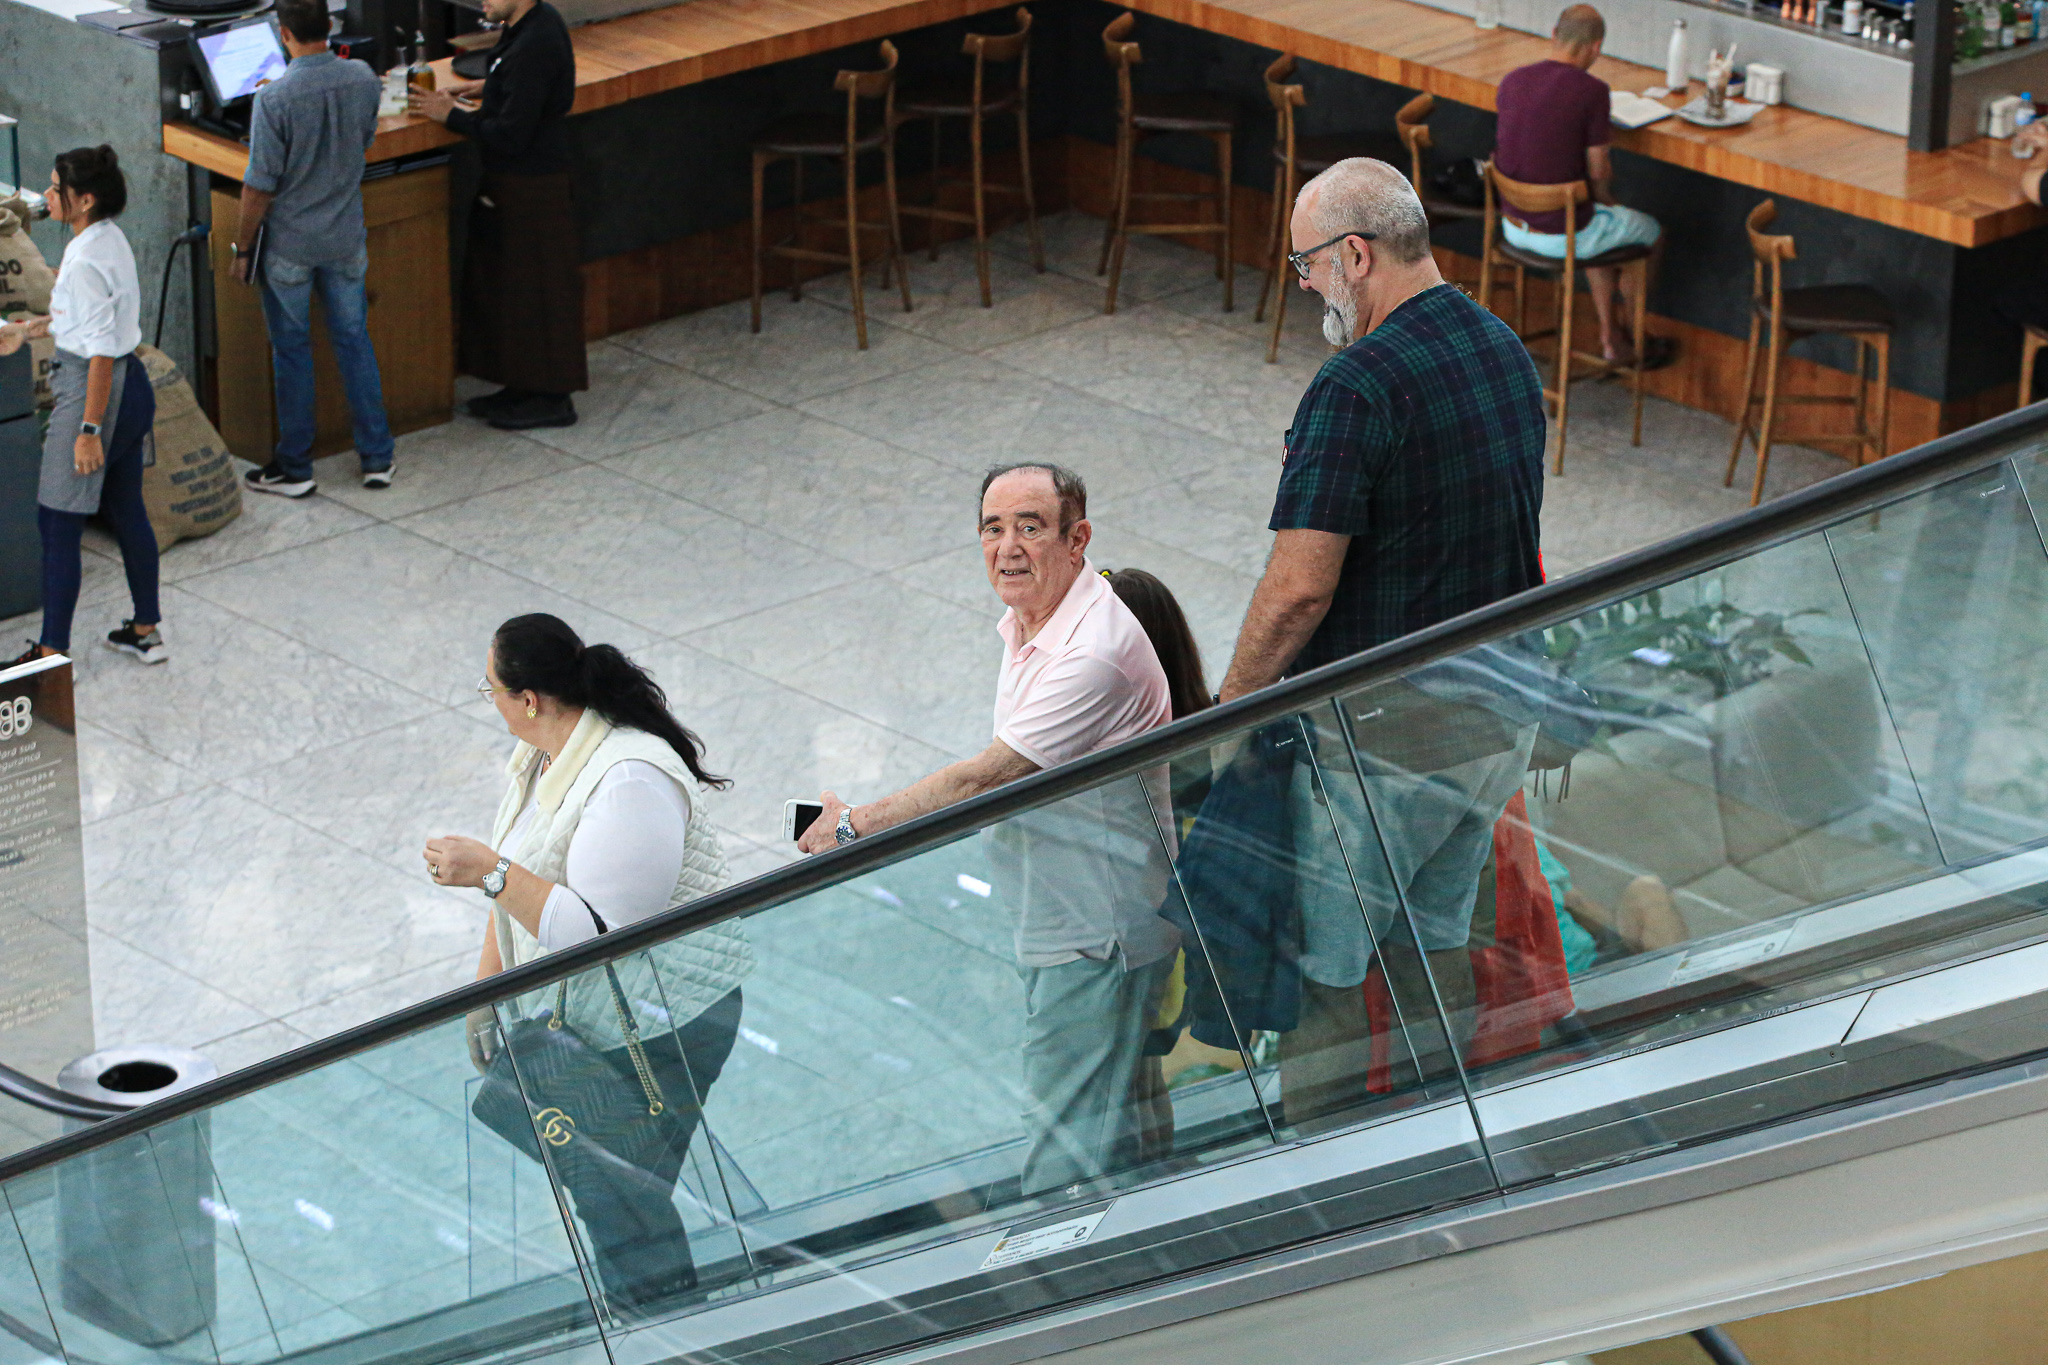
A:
(1423, 442)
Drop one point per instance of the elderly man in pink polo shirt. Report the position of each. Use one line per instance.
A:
(1085, 877)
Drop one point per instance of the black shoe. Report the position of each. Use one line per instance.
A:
(491, 404)
(272, 479)
(536, 410)
(35, 651)
(377, 478)
(149, 648)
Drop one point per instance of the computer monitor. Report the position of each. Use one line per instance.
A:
(236, 59)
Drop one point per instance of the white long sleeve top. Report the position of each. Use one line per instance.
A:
(625, 858)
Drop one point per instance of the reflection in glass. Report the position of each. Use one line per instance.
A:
(1951, 587)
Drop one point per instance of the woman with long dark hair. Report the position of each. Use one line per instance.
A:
(598, 830)
(105, 406)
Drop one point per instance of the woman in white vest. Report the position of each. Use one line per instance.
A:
(598, 830)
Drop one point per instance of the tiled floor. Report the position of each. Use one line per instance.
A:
(779, 525)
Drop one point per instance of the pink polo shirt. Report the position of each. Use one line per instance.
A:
(1087, 680)
(1086, 876)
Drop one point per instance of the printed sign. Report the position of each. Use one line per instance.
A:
(1729, 957)
(1027, 1243)
(45, 982)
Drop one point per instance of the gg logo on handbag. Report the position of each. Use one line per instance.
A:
(556, 1127)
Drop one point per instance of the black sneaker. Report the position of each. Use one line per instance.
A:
(272, 479)
(489, 405)
(149, 648)
(35, 651)
(377, 478)
(535, 410)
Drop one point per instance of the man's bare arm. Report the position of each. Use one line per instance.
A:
(1600, 173)
(987, 770)
(255, 204)
(1287, 606)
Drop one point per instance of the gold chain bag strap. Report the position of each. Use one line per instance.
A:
(656, 1103)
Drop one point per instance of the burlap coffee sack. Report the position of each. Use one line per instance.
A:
(188, 480)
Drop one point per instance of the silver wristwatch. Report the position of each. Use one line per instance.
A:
(844, 833)
(88, 428)
(494, 880)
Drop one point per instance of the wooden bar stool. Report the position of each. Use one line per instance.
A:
(974, 100)
(2031, 342)
(1507, 198)
(823, 135)
(1141, 116)
(1411, 124)
(1854, 310)
(1296, 159)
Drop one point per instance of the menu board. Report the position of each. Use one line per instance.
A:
(45, 976)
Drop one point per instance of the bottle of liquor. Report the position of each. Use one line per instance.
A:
(2008, 23)
(419, 73)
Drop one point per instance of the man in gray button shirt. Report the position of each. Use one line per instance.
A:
(307, 138)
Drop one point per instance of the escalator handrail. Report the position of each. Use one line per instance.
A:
(30, 1091)
(1826, 503)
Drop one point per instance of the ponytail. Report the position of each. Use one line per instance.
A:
(540, 653)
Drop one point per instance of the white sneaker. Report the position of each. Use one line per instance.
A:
(377, 478)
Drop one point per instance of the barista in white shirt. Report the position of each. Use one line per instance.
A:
(105, 406)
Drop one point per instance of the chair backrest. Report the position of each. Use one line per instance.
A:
(1123, 54)
(866, 85)
(1002, 47)
(1286, 97)
(1771, 253)
(1504, 195)
(1412, 123)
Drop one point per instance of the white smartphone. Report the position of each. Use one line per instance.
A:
(798, 816)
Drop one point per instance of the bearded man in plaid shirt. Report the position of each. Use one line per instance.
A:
(1410, 494)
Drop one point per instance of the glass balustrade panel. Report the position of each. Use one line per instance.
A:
(932, 1055)
(359, 1210)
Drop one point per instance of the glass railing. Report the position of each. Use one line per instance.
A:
(1653, 855)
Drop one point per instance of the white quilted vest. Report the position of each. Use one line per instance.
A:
(665, 986)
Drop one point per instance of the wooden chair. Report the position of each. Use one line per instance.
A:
(1140, 116)
(823, 135)
(1411, 124)
(1854, 310)
(2031, 342)
(1297, 159)
(975, 99)
(1512, 199)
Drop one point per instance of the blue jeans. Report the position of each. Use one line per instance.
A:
(288, 310)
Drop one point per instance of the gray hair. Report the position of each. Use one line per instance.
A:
(1360, 194)
(1066, 484)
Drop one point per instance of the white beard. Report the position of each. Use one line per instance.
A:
(1340, 320)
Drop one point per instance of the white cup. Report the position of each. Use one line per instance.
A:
(1763, 84)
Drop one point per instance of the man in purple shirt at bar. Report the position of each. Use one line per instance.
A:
(1553, 129)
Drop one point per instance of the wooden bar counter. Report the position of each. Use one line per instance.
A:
(1968, 196)
(674, 92)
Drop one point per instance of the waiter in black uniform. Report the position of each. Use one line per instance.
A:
(522, 286)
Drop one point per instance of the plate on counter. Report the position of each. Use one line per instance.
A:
(1734, 113)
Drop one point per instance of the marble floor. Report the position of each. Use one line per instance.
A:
(780, 526)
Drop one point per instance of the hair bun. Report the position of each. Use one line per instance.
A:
(108, 156)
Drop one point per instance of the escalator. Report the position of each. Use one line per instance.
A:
(1749, 1008)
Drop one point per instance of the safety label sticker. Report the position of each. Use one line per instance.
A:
(1023, 1244)
(1729, 957)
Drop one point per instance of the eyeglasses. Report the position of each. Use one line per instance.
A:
(485, 690)
(1299, 259)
